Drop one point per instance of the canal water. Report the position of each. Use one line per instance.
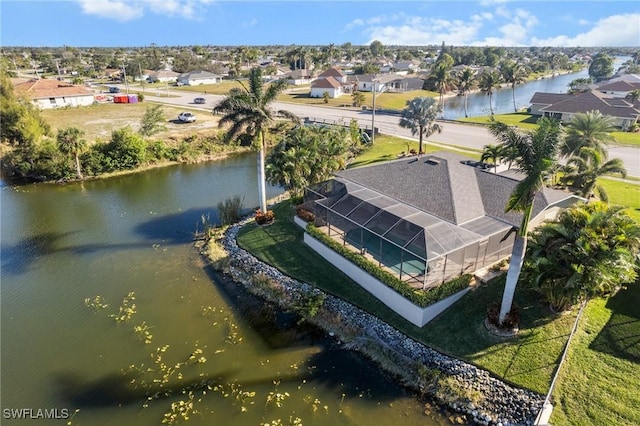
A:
(502, 99)
(62, 244)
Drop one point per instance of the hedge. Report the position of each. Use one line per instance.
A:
(419, 297)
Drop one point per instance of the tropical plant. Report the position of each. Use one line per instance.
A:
(493, 153)
(420, 117)
(444, 81)
(358, 98)
(590, 250)
(247, 109)
(466, 82)
(583, 171)
(513, 74)
(490, 80)
(601, 66)
(633, 95)
(537, 151)
(152, 121)
(309, 155)
(591, 130)
(70, 141)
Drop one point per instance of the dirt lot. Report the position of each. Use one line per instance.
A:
(99, 121)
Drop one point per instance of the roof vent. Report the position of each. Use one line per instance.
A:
(433, 161)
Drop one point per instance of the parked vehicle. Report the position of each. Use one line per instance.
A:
(186, 117)
(199, 101)
(114, 89)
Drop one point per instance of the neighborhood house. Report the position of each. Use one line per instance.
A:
(196, 78)
(48, 94)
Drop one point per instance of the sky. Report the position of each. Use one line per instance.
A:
(122, 23)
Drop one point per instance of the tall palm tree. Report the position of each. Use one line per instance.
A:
(490, 80)
(248, 111)
(513, 74)
(493, 153)
(537, 151)
(466, 82)
(420, 116)
(591, 129)
(444, 81)
(70, 141)
(584, 170)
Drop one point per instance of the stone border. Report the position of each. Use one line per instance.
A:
(502, 404)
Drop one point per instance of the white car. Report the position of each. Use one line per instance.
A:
(187, 117)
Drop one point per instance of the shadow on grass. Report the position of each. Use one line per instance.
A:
(621, 336)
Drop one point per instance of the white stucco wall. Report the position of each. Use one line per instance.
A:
(65, 101)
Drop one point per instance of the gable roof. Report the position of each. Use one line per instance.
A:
(620, 86)
(47, 88)
(332, 72)
(325, 83)
(197, 75)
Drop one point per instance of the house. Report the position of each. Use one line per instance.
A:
(336, 73)
(564, 106)
(328, 85)
(620, 87)
(196, 78)
(299, 77)
(387, 82)
(163, 76)
(426, 219)
(48, 94)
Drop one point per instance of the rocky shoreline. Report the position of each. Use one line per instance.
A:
(498, 403)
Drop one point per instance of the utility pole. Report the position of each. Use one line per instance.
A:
(124, 71)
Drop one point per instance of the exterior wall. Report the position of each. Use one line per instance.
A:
(412, 313)
(65, 101)
(199, 81)
(535, 109)
(318, 92)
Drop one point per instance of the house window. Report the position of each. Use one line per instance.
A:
(52, 101)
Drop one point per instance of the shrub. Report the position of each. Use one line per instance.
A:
(305, 214)
(264, 218)
(511, 321)
(229, 210)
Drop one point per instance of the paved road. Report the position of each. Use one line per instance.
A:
(461, 135)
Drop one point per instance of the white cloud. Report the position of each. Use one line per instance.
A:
(616, 30)
(251, 23)
(583, 22)
(123, 11)
(421, 31)
(354, 23)
(113, 9)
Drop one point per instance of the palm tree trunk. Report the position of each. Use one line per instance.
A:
(513, 93)
(515, 266)
(490, 103)
(420, 147)
(78, 171)
(465, 105)
(262, 190)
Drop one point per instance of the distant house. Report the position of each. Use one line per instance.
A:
(299, 77)
(620, 87)
(454, 224)
(336, 73)
(196, 78)
(329, 85)
(388, 82)
(48, 94)
(564, 106)
(163, 76)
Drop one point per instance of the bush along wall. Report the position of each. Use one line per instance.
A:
(467, 390)
(419, 297)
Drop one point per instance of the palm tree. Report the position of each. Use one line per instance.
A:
(489, 80)
(536, 157)
(585, 169)
(513, 74)
(466, 82)
(420, 116)
(444, 81)
(591, 129)
(493, 153)
(590, 250)
(248, 111)
(70, 141)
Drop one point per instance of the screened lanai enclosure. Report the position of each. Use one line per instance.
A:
(421, 248)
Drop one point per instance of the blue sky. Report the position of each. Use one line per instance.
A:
(214, 22)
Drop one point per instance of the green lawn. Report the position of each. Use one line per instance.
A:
(528, 122)
(390, 147)
(600, 384)
(625, 194)
(384, 100)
